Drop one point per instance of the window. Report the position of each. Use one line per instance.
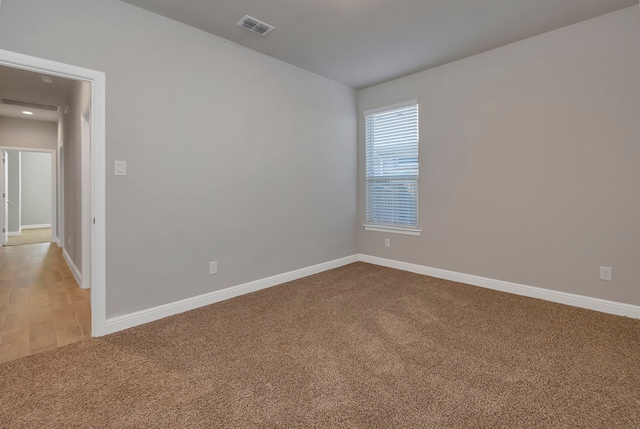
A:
(392, 168)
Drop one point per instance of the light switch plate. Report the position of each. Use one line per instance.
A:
(120, 168)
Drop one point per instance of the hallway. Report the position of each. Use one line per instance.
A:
(41, 305)
(30, 236)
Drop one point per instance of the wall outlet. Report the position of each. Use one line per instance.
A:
(387, 242)
(606, 273)
(213, 267)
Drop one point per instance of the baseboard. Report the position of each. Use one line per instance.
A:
(74, 270)
(14, 233)
(36, 226)
(604, 306)
(126, 321)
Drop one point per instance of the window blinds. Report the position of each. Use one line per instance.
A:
(392, 166)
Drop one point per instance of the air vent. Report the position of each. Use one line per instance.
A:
(255, 25)
(28, 104)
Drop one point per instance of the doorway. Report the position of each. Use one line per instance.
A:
(42, 305)
(29, 193)
(92, 177)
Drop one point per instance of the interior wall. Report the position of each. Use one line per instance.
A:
(60, 182)
(13, 188)
(27, 133)
(79, 101)
(232, 156)
(36, 187)
(529, 161)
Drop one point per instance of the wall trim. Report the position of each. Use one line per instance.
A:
(597, 304)
(137, 318)
(126, 321)
(14, 233)
(36, 226)
(74, 270)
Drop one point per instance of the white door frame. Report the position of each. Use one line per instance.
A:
(93, 174)
(54, 174)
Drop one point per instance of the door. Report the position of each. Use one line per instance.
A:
(4, 186)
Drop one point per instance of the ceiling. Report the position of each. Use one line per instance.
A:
(29, 86)
(364, 42)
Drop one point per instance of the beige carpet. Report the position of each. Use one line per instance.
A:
(30, 236)
(356, 347)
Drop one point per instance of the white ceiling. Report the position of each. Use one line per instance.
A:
(364, 42)
(29, 86)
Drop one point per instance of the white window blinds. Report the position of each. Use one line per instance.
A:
(392, 166)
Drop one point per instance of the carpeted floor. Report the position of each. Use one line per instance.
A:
(30, 236)
(359, 347)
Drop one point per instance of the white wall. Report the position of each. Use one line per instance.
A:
(530, 161)
(231, 155)
(36, 188)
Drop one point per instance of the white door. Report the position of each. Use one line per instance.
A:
(4, 185)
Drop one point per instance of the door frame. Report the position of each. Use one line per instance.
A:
(93, 174)
(54, 175)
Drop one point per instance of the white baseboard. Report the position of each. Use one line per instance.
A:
(126, 321)
(36, 226)
(581, 301)
(14, 233)
(76, 272)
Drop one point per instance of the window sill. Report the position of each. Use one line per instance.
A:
(392, 229)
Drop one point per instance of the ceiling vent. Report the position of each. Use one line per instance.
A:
(255, 25)
(28, 104)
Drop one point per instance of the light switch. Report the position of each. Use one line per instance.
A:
(120, 168)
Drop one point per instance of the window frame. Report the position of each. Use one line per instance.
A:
(392, 228)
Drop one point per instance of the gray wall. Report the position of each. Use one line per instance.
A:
(530, 161)
(13, 186)
(16, 132)
(79, 101)
(36, 188)
(231, 155)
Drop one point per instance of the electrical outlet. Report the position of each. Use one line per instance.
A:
(606, 273)
(213, 267)
(387, 242)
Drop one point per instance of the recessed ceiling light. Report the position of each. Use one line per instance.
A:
(26, 112)
(47, 79)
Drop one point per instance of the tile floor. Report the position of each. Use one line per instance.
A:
(41, 305)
